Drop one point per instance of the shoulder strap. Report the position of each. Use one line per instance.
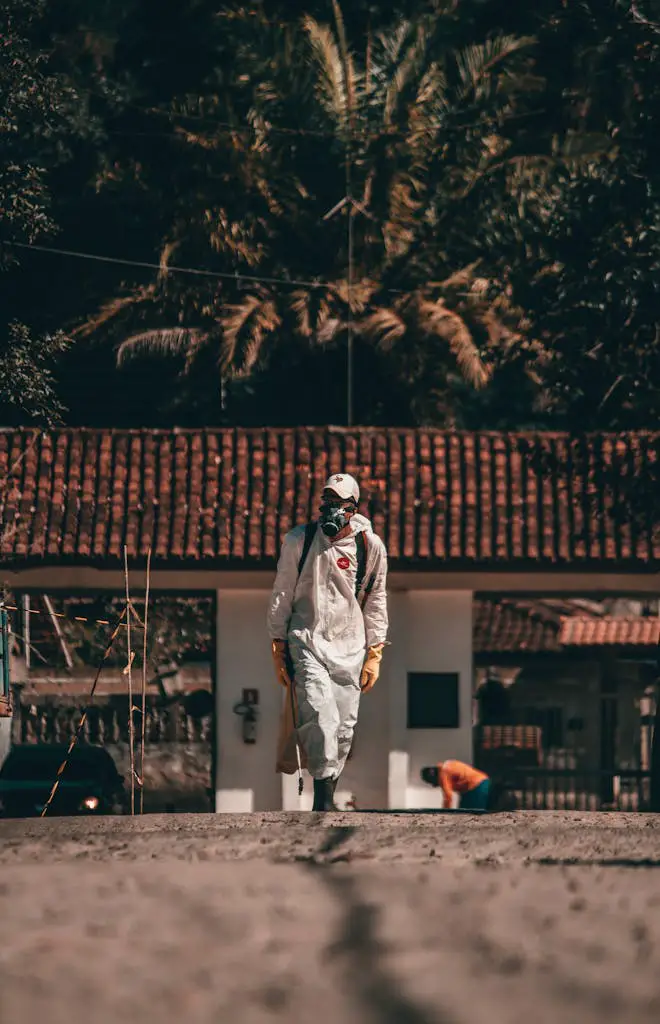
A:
(310, 534)
(369, 587)
(361, 548)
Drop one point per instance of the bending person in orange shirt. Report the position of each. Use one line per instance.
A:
(473, 786)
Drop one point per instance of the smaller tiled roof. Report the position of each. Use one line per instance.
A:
(583, 631)
(506, 627)
(510, 626)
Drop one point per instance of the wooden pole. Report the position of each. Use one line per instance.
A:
(144, 679)
(129, 671)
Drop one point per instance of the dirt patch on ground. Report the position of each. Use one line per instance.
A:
(399, 919)
(525, 837)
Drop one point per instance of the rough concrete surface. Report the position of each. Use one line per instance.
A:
(391, 919)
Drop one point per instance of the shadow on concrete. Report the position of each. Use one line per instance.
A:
(360, 949)
(336, 837)
(599, 862)
(426, 810)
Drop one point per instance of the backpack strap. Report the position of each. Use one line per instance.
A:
(310, 534)
(369, 587)
(361, 551)
(362, 545)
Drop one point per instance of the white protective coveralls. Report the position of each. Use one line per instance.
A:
(328, 634)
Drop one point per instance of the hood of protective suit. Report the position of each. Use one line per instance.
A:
(360, 524)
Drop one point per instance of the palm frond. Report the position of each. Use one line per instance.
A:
(393, 43)
(406, 70)
(330, 85)
(500, 336)
(329, 330)
(166, 254)
(459, 278)
(113, 309)
(311, 309)
(436, 320)
(236, 238)
(384, 326)
(361, 292)
(476, 64)
(204, 141)
(350, 78)
(165, 341)
(431, 90)
(245, 327)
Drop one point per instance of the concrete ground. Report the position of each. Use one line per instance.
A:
(391, 919)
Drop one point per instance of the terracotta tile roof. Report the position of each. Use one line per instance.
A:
(503, 627)
(508, 626)
(227, 497)
(581, 631)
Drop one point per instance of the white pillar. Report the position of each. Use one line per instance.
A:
(291, 800)
(394, 675)
(5, 738)
(397, 779)
(246, 779)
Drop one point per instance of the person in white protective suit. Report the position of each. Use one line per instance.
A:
(327, 623)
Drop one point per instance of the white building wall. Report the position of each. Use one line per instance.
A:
(431, 632)
(245, 773)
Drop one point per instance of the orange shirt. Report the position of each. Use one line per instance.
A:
(456, 777)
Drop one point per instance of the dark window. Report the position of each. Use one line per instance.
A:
(433, 700)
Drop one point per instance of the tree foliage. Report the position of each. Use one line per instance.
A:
(499, 158)
(37, 118)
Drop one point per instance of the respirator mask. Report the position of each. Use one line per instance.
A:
(333, 518)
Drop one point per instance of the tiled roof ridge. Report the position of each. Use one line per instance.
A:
(526, 434)
(607, 619)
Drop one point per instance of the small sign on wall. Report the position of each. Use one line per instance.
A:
(433, 700)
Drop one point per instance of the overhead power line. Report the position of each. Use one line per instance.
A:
(197, 271)
(237, 277)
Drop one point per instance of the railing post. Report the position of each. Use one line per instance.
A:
(655, 761)
(4, 664)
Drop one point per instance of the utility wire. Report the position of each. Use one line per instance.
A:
(365, 134)
(226, 276)
(236, 277)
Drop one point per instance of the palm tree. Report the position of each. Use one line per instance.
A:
(410, 130)
(398, 120)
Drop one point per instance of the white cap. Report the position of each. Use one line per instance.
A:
(344, 486)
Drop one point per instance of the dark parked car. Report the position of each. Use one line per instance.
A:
(90, 784)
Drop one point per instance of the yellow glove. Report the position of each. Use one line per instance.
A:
(371, 667)
(278, 650)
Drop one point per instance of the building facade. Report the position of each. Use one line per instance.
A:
(459, 513)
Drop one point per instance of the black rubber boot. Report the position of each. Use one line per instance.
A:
(324, 791)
